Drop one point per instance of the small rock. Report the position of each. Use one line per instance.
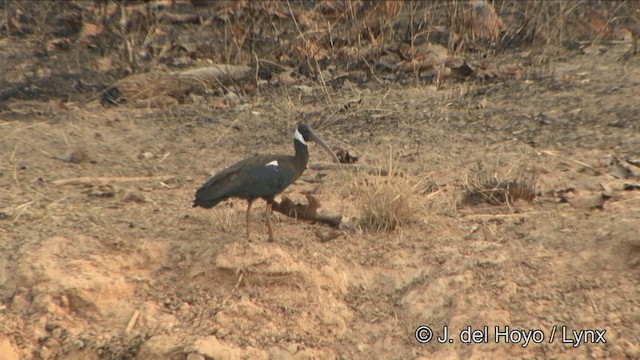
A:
(232, 98)
(75, 156)
(57, 333)
(50, 326)
(589, 171)
(19, 303)
(147, 155)
(219, 103)
(587, 201)
(184, 307)
(196, 99)
(133, 196)
(64, 301)
(195, 356)
(575, 112)
(284, 79)
(325, 236)
(304, 89)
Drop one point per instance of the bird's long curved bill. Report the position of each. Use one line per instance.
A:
(319, 140)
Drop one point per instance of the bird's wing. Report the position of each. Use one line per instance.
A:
(270, 180)
(249, 178)
(222, 184)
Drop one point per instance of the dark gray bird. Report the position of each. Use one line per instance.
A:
(261, 176)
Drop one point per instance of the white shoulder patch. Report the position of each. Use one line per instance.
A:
(299, 137)
(273, 163)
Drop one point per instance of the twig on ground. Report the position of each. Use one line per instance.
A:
(132, 321)
(306, 212)
(101, 180)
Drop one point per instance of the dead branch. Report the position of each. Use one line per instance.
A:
(132, 321)
(219, 73)
(353, 167)
(306, 212)
(102, 180)
(176, 85)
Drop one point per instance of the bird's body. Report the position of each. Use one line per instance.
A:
(261, 176)
(266, 174)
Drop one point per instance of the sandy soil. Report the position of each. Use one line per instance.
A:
(122, 267)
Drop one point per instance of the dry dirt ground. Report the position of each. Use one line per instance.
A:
(122, 267)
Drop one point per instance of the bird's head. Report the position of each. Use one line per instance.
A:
(304, 133)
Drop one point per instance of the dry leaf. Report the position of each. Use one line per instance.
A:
(104, 64)
(88, 33)
(58, 44)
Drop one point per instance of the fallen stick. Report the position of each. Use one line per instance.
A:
(306, 212)
(353, 167)
(132, 321)
(101, 180)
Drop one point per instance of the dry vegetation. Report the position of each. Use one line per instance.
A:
(487, 187)
(384, 203)
(491, 177)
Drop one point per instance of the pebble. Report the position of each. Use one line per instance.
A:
(195, 356)
(232, 97)
(184, 308)
(147, 155)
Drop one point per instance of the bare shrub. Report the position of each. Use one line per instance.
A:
(481, 187)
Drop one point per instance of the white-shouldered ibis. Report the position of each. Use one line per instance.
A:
(261, 176)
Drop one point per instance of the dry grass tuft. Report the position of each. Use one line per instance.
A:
(385, 202)
(228, 218)
(492, 190)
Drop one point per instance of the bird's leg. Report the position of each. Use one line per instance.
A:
(269, 210)
(248, 213)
